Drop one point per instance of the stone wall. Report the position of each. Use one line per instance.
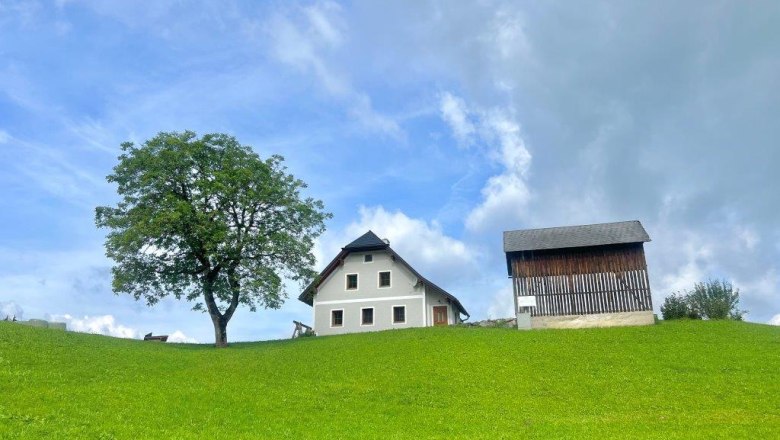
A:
(494, 323)
(595, 320)
(44, 324)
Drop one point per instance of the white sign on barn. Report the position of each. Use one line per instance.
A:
(526, 301)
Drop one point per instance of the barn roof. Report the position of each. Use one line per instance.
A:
(575, 236)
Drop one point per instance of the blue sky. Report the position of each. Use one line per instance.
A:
(436, 124)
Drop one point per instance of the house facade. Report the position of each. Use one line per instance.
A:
(369, 287)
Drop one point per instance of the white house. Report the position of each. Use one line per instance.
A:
(369, 287)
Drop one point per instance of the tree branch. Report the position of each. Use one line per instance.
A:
(235, 286)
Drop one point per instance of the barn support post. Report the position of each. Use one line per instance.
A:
(522, 314)
(514, 298)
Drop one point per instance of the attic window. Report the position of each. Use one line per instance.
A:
(352, 281)
(368, 258)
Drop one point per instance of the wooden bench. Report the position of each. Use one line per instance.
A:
(161, 338)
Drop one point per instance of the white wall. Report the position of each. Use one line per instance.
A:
(435, 299)
(333, 294)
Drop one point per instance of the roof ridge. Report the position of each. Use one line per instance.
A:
(574, 226)
(367, 240)
(597, 234)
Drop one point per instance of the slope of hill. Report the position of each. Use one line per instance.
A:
(673, 380)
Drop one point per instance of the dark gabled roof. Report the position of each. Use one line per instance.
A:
(575, 236)
(370, 241)
(367, 241)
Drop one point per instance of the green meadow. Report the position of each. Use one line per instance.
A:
(685, 379)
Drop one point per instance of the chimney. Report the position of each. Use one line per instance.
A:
(386, 240)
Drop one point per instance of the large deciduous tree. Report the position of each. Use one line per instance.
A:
(206, 219)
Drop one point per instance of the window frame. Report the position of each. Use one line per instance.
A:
(392, 312)
(370, 258)
(373, 317)
(346, 282)
(331, 318)
(379, 279)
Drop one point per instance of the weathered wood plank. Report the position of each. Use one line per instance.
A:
(584, 281)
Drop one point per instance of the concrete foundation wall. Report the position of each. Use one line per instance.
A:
(36, 323)
(595, 320)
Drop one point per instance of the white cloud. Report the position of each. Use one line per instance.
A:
(10, 309)
(760, 286)
(506, 35)
(504, 199)
(502, 304)
(304, 39)
(325, 22)
(775, 320)
(454, 112)
(108, 325)
(748, 237)
(694, 253)
(423, 244)
(505, 196)
(179, 337)
(4, 137)
(102, 325)
(512, 152)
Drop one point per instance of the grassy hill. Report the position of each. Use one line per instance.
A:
(673, 380)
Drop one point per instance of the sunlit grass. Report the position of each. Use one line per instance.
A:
(673, 380)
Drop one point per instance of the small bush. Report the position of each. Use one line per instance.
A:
(676, 306)
(712, 299)
(715, 299)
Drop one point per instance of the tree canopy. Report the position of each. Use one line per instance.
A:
(207, 220)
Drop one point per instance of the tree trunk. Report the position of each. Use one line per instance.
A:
(218, 319)
(220, 331)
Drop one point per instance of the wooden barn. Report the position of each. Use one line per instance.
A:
(580, 276)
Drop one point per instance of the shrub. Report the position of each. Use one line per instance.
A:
(715, 299)
(676, 306)
(712, 299)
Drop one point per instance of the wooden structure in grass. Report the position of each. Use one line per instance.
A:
(570, 273)
(160, 338)
(301, 329)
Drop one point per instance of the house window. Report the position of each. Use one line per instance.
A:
(368, 258)
(352, 282)
(367, 316)
(399, 314)
(336, 318)
(384, 279)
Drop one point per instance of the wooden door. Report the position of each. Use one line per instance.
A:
(440, 315)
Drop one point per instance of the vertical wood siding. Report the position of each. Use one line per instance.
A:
(605, 279)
